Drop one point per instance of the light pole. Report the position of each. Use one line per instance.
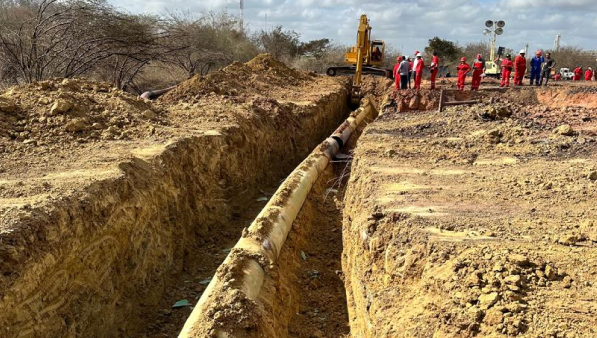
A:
(494, 28)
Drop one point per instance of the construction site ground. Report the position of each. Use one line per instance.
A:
(477, 221)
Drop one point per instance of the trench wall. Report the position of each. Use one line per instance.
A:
(92, 263)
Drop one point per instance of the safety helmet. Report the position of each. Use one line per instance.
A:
(419, 54)
(463, 59)
(539, 52)
(399, 58)
(478, 56)
(508, 55)
(522, 51)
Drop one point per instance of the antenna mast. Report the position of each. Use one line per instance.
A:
(556, 43)
(242, 7)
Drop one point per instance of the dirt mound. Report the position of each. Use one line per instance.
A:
(70, 110)
(260, 76)
(411, 99)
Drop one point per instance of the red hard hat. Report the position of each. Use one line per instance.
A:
(539, 52)
(463, 59)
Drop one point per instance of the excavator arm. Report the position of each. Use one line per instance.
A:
(363, 43)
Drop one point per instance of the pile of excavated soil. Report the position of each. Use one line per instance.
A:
(261, 76)
(71, 110)
(458, 224)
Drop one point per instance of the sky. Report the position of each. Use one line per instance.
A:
(407, 25)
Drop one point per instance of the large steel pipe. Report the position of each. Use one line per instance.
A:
(262, 242)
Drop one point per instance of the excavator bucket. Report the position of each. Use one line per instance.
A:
(355, 95)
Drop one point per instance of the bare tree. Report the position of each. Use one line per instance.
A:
(208, 42)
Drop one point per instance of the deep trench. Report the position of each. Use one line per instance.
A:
(141, 241)
(316, 280)
(304, 295)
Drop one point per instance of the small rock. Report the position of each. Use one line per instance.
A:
(493, 317)
(550, 273)
(148, 114)
(7, 106)
(592, 176)
(60, 107)
(567, 282)
(488, 300)
(76, 125)
(512, 279)
(520, 260)
(565, 130)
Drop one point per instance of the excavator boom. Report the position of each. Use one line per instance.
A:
(366, 57)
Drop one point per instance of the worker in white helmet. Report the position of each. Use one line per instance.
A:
(520, 67)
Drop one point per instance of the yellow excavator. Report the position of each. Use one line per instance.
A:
(366, 57)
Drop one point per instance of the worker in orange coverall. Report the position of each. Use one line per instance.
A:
(507, 66)
(589, 74)
(520, 67)
(577, 74)
(478, 70)
(396, 74)
(434, 68)
(463, 70)
(419, 71)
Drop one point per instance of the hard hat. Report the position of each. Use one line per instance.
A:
(399, 58)
(539, 52)
(463, 59)
(478, 56)
(508, 55)
(522, 51)
(419, 54)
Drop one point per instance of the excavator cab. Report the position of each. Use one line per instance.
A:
(378, 49)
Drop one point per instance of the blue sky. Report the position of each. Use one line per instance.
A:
(408, 24)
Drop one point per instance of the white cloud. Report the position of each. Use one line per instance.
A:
(408, 24)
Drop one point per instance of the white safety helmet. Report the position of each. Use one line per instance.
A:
(522, 51)
(419, 54)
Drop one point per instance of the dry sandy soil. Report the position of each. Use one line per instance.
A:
(478, 221)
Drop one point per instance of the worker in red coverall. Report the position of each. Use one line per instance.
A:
(589, 74)
(507, 66)
(478, 70)
(434, 68)
(577, 74)
(396, 74)
(463, 70)
(419, 71)
(520, 67)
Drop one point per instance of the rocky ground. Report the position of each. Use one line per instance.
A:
(477, 221)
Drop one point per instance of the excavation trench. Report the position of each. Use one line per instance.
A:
(252, 294)
(110, 260)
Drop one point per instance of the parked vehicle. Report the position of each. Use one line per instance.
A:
(566, 73)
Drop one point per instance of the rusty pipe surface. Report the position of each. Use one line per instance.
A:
(245, 268)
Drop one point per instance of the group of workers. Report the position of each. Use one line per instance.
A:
(541, 69)
(578, 73)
